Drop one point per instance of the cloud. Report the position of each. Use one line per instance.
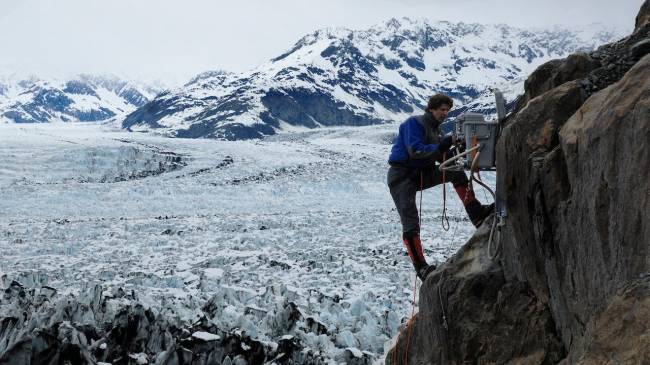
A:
(174, 40)
(7, 7)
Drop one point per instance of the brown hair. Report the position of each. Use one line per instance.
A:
(439, 99)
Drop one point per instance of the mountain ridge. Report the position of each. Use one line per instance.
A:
(338, 76)
(84, 98)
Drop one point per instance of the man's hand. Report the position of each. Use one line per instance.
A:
(445, 144)
(460, 144)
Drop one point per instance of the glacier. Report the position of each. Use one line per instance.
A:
(241, 235)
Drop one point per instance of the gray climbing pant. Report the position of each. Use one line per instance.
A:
(405, 182)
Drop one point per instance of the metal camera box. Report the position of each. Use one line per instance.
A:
(485, 134)
(466, 117)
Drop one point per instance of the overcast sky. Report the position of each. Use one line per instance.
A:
(174, 40)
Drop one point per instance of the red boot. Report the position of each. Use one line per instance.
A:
(476, 211)
(414, 249)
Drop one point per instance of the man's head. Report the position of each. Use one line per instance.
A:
(439, 105)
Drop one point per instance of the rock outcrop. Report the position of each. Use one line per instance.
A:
(643, 17)
(470, 313)
(570, 282)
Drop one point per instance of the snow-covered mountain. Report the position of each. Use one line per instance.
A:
(345, 77)
(85, 98)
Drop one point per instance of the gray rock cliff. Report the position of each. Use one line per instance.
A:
(570, 283)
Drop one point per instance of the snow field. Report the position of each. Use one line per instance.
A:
(249, 229)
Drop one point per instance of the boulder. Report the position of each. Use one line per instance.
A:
(619, 334)
(595, 70)
(556, 72)
(470, 313)
(605, 145)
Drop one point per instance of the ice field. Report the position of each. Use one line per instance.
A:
(304, 218)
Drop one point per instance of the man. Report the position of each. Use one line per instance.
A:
(412, 160)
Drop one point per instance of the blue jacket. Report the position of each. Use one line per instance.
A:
(416, 144)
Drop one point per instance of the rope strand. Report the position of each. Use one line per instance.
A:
(421, 192)
(410, 322)
(445, 219)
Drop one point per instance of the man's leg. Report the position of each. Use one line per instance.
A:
(431, 177)
(475, 210)
(403, 190)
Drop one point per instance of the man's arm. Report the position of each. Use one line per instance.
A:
(414, 141)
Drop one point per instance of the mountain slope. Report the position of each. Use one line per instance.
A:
(85, 98)
(345, 77)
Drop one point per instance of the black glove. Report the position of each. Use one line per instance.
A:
(452, 152)
(461, 146)
(445, 144)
